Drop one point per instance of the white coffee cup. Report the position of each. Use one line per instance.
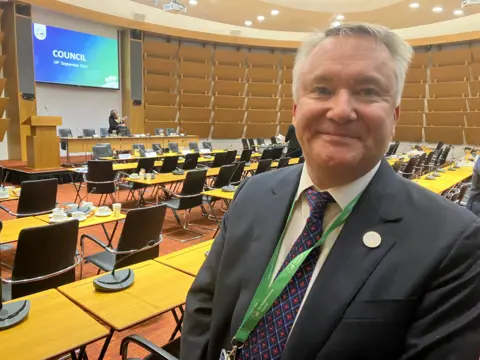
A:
(148, 176)
(117, 208)
(142, 176)
(103, 209)
(58, 211)
(78, 215)
(88, 204)
(4, 193)
(72, 207)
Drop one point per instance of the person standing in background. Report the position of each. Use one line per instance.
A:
(115, 122)
(294, 150)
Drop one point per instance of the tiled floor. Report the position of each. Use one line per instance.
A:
(157, 330)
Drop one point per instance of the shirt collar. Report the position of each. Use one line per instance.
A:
(344, 194)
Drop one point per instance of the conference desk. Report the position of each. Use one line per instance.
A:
(85, 144)
(188, 260)
(446, 180)
(12, 228)
(157, 289)
(55, 326)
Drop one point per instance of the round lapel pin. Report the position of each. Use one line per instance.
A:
(372, 239)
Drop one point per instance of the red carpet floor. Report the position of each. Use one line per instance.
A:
(157, 330)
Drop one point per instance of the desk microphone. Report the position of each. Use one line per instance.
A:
(13, 313)
(119, 280)
(46, 110)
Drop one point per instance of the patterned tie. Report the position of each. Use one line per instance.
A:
(268, 338)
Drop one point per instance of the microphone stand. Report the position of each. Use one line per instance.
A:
(119, 280)
(13, 313)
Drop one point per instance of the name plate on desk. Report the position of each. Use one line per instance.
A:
(151, 154)
(124, 156)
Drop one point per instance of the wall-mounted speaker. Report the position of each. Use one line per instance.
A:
(137, 102)
(136, 70)
(28, 96)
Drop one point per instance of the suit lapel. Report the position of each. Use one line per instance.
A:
(266, 233)
(348, 266)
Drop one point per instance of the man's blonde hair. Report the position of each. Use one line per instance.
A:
(399, 49)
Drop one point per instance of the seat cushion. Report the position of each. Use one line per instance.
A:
(104, 260)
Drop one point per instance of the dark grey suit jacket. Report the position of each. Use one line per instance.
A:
(415, 297)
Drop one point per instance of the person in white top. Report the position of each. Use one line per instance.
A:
(340, 258)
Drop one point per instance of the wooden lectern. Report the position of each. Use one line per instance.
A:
(42, 145)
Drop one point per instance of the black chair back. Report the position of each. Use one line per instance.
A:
(267, 154)
(444, 156)
(42, 251)
(103, 132)
(171, 131)
(139, 147)
(146, 163)
(277, 153)
(246, 155)
(100, 171)
(124, 131)
(170, 163)
(37, 196)
(192, 188)
(224, 176)
(245, 144)
(301, 159)
(260, 141)
(283, 162)
(428, 160)
(263, 165)
(207, 145)
(273, 140)
(220, 159)
(191, 161)
(440, 145)
(64, 133)
(251, 143)
(88, 132)
(193, 146)
(141, 226)
(231, 156)
(237, 175)
(390, 150)
(102, 151)
(159, 131)
(173, 146)
(409, 169)
(397, 144)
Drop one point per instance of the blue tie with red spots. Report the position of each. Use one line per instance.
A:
(268, 338)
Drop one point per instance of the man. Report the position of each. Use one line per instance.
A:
(294, 150)
(398, 277)
(473, 203)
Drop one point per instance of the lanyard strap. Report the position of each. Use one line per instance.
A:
(268, 291)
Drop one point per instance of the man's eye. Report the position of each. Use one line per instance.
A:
(322, 90)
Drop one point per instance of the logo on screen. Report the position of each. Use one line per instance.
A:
(40, 31)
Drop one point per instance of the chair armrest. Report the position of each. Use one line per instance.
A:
(95, 240)
(7, 210)
(170, 192)
(44, 277)
(145, 344)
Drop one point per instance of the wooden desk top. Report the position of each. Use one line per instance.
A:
(90, 221)
(219, 193)
(188, 260)
(11, 228)
(105, 139)
(54, 326)
(446, 180)
(157, 289)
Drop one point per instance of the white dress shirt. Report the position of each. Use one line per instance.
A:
(343, 195)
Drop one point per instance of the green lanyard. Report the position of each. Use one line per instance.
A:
(267, 291)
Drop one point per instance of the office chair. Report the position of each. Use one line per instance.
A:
(88, 132)
(103, 132)
(193, 146)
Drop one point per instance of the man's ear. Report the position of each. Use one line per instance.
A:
(294, 112)
(396, 114)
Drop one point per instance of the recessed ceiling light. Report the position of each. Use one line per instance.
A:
(275, 12)
(260, 18)
(414, 5)
(458, 12)
(437, 9)
(193, 2)
(336, 23)
(339, 17)
(248, 23)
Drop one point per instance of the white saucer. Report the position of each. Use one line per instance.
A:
(104, 214)
(53, 221)
(4, 197)
(134, 177)
(80, 220)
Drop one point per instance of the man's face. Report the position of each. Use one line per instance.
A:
(115, 114)
(346, 114)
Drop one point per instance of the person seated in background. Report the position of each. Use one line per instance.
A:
(115, 122)
(294, 150)
(473, 203)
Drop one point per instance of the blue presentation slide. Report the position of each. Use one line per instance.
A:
(75, 58)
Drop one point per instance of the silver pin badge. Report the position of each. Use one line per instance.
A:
(372, 239)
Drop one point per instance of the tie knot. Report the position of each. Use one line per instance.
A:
(318, 201)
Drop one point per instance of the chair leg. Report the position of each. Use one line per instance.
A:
(185, 227)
